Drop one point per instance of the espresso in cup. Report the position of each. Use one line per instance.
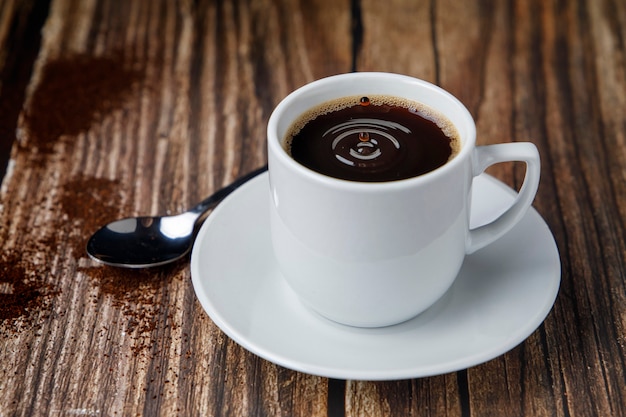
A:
(372, 138)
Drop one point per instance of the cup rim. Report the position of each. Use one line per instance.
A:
(275, 145)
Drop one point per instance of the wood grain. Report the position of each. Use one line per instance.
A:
(211, 72)
(538, 71)
(190, 126)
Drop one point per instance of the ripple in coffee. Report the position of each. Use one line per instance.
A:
(372, 139)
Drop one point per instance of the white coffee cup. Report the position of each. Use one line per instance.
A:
(417, 232)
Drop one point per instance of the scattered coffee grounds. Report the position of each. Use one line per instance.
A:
(17, 295)
(71, 96)
(141, 295)
(89, 203)
(23, 290)
(73, 93)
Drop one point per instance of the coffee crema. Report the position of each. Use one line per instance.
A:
(373, 138)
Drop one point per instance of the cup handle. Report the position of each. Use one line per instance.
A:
(484, 156)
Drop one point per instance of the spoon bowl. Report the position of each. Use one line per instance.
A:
(148, 241)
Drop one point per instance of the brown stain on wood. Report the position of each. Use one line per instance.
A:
(73, 93)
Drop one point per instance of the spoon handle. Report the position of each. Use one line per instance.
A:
(220, 194)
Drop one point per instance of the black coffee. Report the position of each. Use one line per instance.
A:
(372, 139)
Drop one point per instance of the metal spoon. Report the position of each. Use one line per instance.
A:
(142, 242)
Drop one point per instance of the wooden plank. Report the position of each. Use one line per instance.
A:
(552, 74)
(203, 80)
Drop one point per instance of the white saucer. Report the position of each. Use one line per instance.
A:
(503, 293)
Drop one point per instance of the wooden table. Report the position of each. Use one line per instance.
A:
(111, 108)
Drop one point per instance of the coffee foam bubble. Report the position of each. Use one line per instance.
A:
(341, 103)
